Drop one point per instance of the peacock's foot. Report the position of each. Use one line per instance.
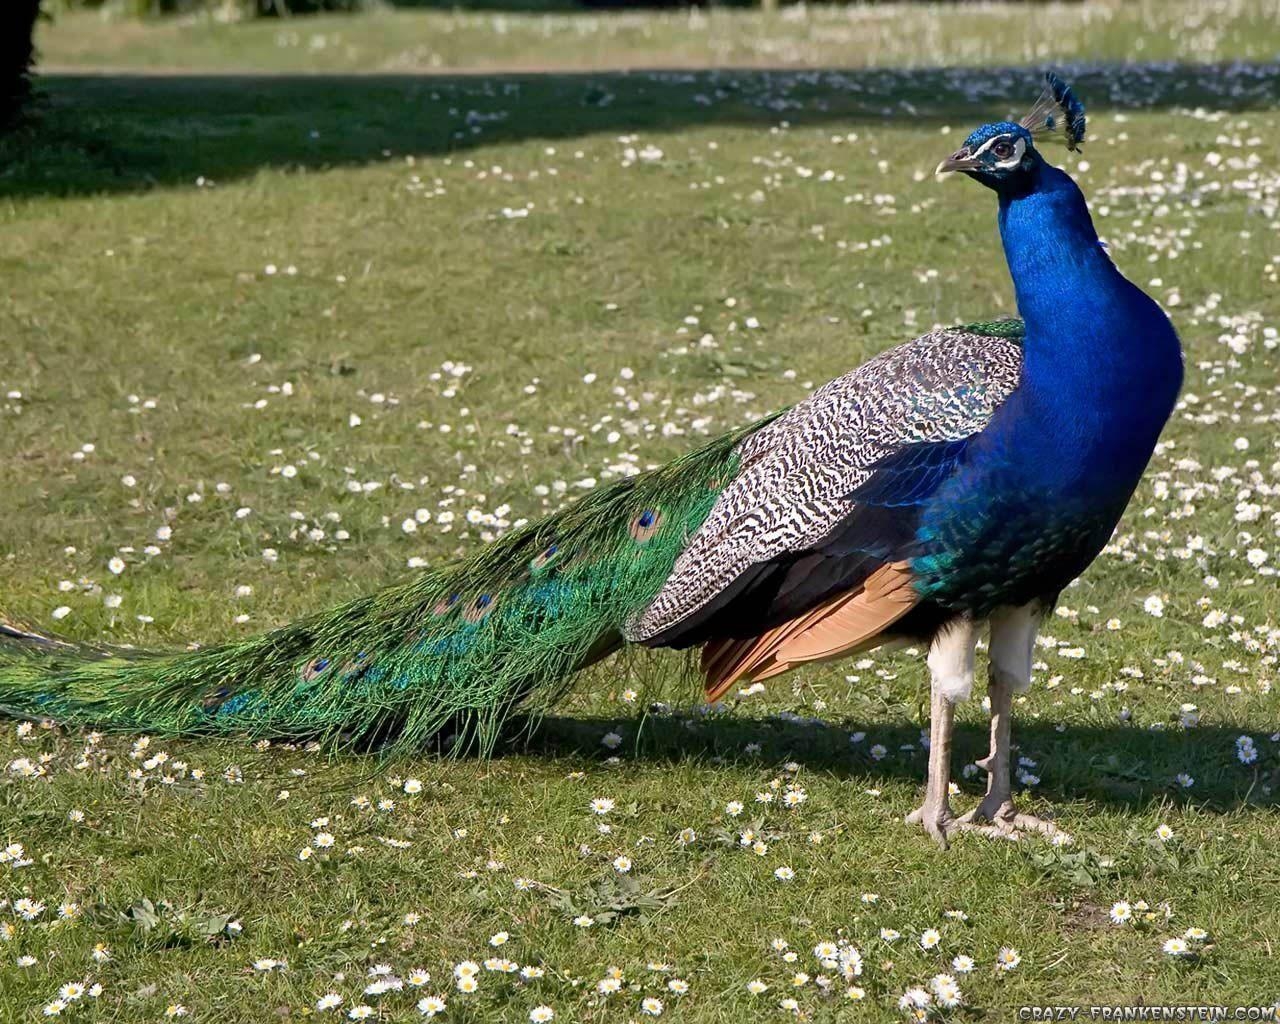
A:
(938, 821)
(1004, 821)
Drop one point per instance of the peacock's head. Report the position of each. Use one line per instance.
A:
(1003, 156)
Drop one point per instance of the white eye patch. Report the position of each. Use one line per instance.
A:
(1009, 163)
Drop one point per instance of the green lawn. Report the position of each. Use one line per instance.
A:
(253, 322)
(875, 35)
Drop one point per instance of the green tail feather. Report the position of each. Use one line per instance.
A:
(452, 652)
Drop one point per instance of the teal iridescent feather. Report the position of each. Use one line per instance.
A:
(451, 653)
(1006, 327)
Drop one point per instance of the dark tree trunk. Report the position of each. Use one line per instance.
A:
(17, 54)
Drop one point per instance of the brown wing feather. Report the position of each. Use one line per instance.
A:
(852, 621)
(730, 660)
(886, 597)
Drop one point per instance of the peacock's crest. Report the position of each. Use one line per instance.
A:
(1002, 154)
(1058, 111)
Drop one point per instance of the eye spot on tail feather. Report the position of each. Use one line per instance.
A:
(446, 605)
(356, 667)
(544, 559)
(646, 525)
(214, 701)
(479, 608)
(314, 668)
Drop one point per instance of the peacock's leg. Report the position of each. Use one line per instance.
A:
(1013, 636)
(935, 814)
(951, 680)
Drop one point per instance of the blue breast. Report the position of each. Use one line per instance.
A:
(1044, 484)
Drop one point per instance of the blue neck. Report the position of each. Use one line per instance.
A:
(1102, 364)
(1060, 271)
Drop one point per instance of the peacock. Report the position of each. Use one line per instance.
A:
(955, 483)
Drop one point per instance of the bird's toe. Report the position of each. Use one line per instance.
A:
(1005, 821)
(967, 823)
(937, 822)
(1033, 823)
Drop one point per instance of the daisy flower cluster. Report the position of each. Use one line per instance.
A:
(841, 972)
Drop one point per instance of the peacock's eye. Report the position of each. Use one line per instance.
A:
(1003, 149)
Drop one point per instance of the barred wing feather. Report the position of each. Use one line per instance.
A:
(790, 531)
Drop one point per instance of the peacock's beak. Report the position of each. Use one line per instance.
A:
(960, 160)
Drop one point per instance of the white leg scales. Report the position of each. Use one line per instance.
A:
(1013, 635)
(951, 679)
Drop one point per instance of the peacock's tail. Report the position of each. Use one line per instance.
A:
(452, 652)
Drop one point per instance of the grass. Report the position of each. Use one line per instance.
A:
(876, 35)
(208, 277)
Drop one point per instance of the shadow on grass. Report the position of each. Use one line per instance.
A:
(1130, 767)
(132, 132)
